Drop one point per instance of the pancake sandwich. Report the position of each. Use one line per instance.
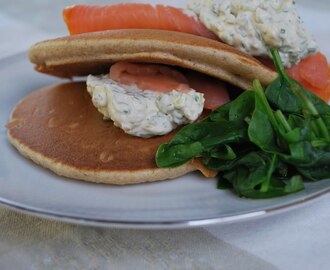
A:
(59, 127)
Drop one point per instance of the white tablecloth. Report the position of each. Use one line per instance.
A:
(295, 239)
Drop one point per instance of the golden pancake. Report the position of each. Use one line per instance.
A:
(59, 128)
(93, 53)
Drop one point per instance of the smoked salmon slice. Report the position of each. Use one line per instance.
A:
(313, 73)
(153, 77)
(314, 70)
(162, 79)
(85, 18)
(215, 91)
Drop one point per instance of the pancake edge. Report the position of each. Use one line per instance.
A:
(102, 176)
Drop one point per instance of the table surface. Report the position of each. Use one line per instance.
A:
(295, 239)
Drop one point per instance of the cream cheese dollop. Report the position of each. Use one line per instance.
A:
(143, 113)
(256, 26)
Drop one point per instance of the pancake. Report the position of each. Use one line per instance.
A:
(93, 53)
(59, 128)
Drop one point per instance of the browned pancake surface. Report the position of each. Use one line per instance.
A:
(59, 128)
(93, 53)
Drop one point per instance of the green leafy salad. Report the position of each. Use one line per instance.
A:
(264, 143)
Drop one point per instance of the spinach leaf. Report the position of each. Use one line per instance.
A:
(252, 176)
(263, 124)
(289, 96)
(223, 126)
(282, 94)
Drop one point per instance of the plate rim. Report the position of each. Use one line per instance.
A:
(96, 222)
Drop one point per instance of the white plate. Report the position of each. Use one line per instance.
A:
(188, 201)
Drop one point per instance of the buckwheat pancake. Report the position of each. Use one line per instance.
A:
(59, 128)
(93, 53)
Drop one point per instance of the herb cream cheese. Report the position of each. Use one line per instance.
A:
(143, 113)
(256, 26)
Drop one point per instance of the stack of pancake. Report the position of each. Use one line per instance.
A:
(59, 128)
